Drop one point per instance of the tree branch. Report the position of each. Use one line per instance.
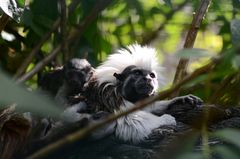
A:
(36, 49)
(190, 39)
(102, 4)
(45, 37)
(64, 31)
(39, 65)
(76, 136)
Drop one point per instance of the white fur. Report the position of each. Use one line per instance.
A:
(141, 56)
(137, 126)
(71, 114)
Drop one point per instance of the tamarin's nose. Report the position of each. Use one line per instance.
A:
(148, 79)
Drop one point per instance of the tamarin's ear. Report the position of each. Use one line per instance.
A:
(118, 76)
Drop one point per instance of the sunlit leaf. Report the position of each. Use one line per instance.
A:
(193, 53)
(21, 3)
(12, 8)
(235, 31)
(229, 135)
(26, 101)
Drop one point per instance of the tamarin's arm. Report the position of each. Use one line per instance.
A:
(160, 107)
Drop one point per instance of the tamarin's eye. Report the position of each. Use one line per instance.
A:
(152, 75)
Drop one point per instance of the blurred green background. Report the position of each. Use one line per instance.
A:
(121, 23)
(103, 26)
(93, 29)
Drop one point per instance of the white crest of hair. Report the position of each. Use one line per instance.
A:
(137, 126)
(141, 56)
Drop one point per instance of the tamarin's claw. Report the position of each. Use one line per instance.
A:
(188, 99)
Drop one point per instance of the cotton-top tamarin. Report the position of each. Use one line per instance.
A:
(76, 73)
(129, 75)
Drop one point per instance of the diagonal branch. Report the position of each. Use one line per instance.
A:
(44, 38)
(101, 5)
(39, 65)
(72, 138)
(36, 49)
(190, 39)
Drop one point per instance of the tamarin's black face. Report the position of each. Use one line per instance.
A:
(136, 83)
(77, 72)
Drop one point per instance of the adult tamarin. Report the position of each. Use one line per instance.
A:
(127, 76)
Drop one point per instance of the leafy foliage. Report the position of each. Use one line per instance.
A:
(193, 53)
(94, 28)
(27, 101)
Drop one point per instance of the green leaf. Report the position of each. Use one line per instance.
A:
(21, 3)
(229, 135)
(235, 31)
(12, 8)
(193, 53)
(25, 100)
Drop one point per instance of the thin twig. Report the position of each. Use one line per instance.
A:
(3, 21)
(36, 49)
(39, 65)
(76, 136)
(102, 4)
(190, 39)
(63, 27)
(44, 38)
